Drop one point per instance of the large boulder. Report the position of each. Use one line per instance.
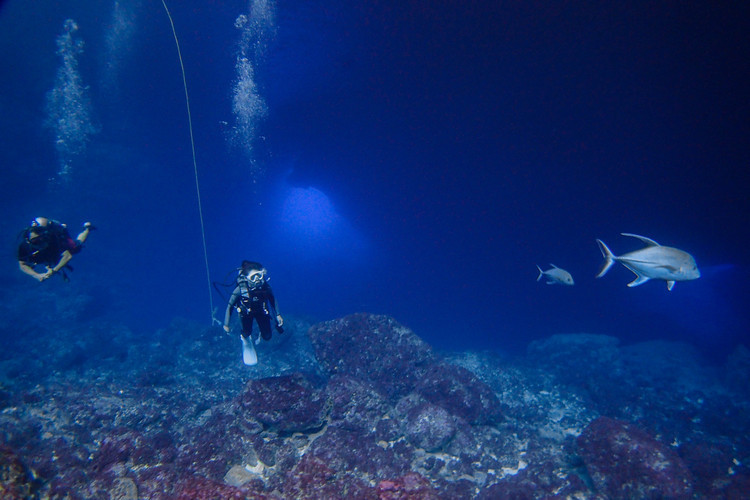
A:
(371, 348)
(286, 404)
(345, 451)
(461, 393)
(625, 462)
(712, 465)
(429, 426)
(355, 405)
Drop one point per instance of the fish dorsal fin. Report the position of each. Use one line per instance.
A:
(647, 241)
(551, 264)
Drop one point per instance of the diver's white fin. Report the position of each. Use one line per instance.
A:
(249, 356)
(647, 241)
(670, 285)
(639, 280)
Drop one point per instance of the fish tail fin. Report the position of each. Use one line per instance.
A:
(541, 273)
(609, 258)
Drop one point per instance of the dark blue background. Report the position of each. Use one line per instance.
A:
(418, 159)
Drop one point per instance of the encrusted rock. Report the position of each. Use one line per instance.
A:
(355, 405)
(411, 486)
(200, 488)
(15, 480)
(372, 348)
(429, 426)
(343, 451)
(313, 479)
(461, 393)
(123, 488)
(285, 404)
(625, 462)
(239, 475)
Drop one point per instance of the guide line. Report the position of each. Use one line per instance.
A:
(195, 165)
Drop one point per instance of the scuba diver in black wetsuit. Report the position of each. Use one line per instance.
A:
(47, 242)
(254, 300)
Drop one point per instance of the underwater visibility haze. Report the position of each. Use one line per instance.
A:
(405, 171)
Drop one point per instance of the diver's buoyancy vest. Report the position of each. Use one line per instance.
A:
(253, 298)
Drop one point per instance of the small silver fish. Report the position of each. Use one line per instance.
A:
(556, 276)
(652, 262)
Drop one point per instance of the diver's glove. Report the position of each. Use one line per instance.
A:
(279, 323)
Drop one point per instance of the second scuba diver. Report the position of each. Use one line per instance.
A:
(254, 300)
(47, 242)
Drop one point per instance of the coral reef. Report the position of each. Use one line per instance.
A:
(361, 407)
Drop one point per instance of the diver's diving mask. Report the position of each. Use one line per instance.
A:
(36, 235)
(257, 276)
(254, 278)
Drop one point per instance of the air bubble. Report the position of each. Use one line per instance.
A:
(68, 103)
(248, 105)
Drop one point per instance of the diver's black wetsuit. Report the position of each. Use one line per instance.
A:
(53, 240)
(253, 303)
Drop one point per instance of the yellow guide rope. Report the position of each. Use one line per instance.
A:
(195, 164)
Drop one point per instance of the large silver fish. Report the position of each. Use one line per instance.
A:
(652, 262)
(555, 276)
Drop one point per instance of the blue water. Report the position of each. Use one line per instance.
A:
(415, 159)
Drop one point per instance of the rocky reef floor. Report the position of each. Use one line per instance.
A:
(362, 407)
